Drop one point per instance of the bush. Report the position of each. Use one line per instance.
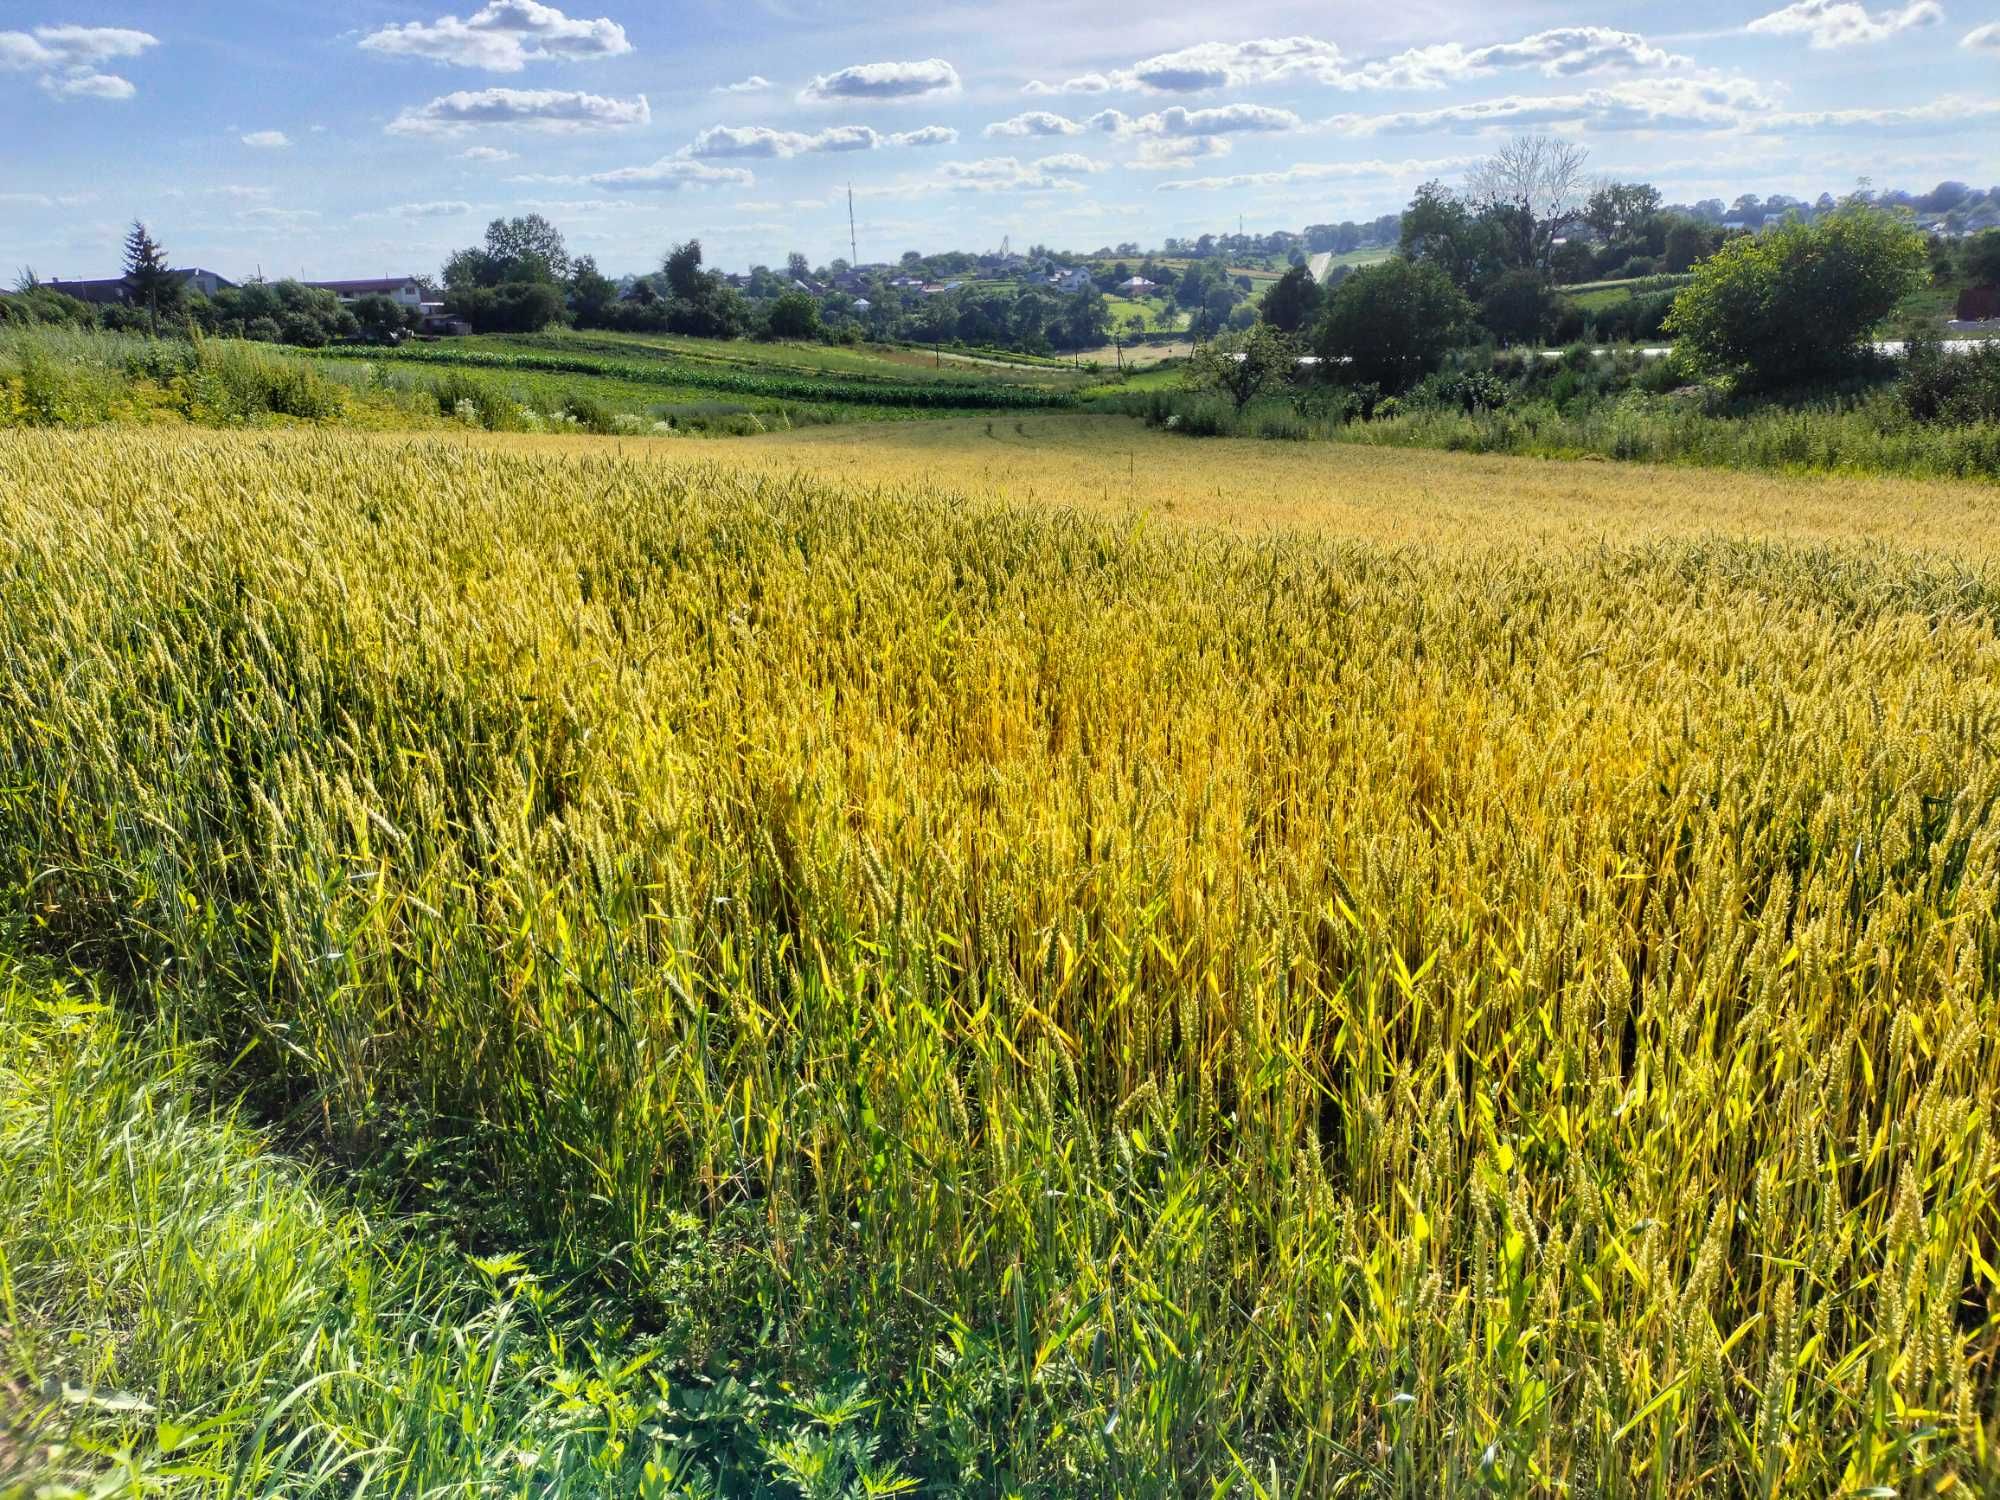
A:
(1954, 387)
(1794, 304)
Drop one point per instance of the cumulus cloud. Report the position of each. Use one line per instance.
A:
(1178, 151)
(485, 153)
(1215, 65)
(502, 37)
(1227, 119)
(670, 174)
(83, 85)
(68, 58)
(884, 81)
(553, 111)
(1088, 83)
(999, 174)
(1844, 23)
(720, 141)
(1950, 112)
(450, 208)
(754, 84)
(267, 140)
(1404, 171)
(1983, 38)
(1563, 52)
(1070, 163)
(278, 218)
(1560, 52)
(1032, 123)
(1703, 103)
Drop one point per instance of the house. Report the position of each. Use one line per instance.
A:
(404, 291)
(862, 304)
(1137, 288)
(1072, 281)
(112, 291)
(1320, 266)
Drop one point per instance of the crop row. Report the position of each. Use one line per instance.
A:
(683, 376)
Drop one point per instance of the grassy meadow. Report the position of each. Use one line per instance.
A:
(881, 962)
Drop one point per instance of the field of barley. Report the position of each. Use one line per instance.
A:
(818, 969)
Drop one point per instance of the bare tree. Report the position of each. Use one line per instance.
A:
(1538, 184)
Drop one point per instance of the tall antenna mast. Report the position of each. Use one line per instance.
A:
(853, 247)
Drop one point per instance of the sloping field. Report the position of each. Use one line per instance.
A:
(1489, 990)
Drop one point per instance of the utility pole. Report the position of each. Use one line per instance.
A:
(853, 246)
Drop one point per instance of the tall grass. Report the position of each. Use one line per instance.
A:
(1873, 437)
(1171, 1014)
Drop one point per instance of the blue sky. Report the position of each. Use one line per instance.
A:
(370, 138)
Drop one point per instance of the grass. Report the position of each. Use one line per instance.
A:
(1166, 1012)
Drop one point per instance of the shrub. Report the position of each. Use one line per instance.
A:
(1795, 304)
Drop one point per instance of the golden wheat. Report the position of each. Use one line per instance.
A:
(1172, 1009)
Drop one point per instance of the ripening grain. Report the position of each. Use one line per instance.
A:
(1168, 1006)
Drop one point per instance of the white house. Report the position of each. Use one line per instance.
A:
(1072, 281)
(404, 291)
(1137, 287)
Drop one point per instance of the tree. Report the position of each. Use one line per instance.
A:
(380, 318)
(1393, 323)
(800, 269)
(1541, 180)
(1292, 306)
(794, 316)
(1518, 307)
(1687, 243)
(1242, 366)
(149, 282)
(591, 293)
(703, 306)
(1441, 228)
(1617, 208)
(530, 240)
(1794, 304)
(1982, 257)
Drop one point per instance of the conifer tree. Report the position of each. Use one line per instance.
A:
(149, 281)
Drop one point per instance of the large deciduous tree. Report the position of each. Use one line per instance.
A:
(1540, 181)
(1392, 324)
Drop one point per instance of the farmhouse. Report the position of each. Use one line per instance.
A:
(1137, 287)
(404, 291)
(112, 291)
(1072, 281)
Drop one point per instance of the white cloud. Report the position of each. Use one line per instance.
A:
(503, 37)
(1070, 163)
(553, 111)
(1983, 38)
(1214, 65)
(1089, 83)
(239, 192)
(67, 57)
(1705, 103)
(86, 85)
(1949, 112)
(485, 153)
(1033, 122)
(1844, 23)
(997, 174)
(1403, 171)
(668, 174)
(1563, 52)
(1227, 119)
(1178, 151)
(884, 81)
(450, 208)
(278, 218)
(1560, 52)
(53, 47)
(754, 84)
(267, 140)
(721, 141)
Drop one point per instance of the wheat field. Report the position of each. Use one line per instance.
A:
(1492, 998)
